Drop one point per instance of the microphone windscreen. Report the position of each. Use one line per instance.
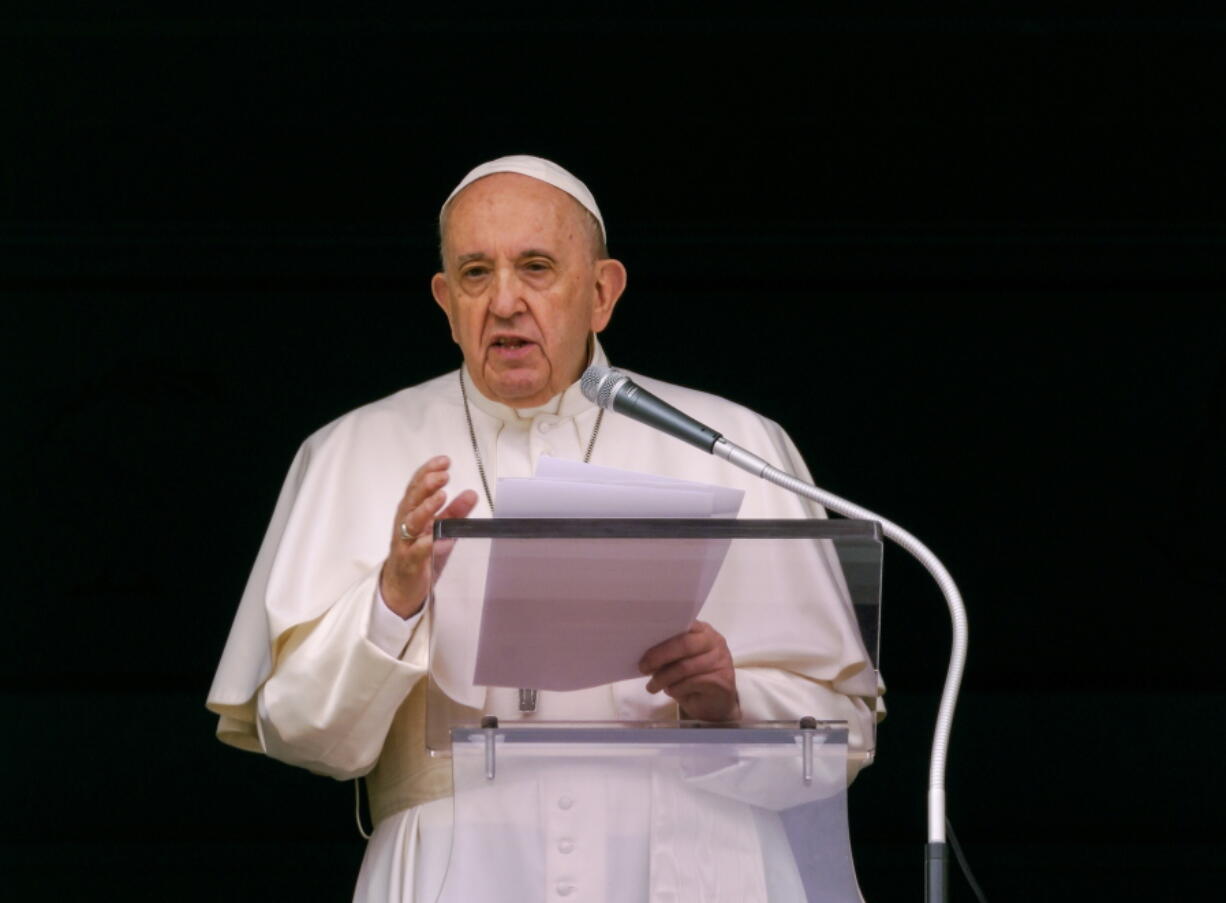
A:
(598, 384)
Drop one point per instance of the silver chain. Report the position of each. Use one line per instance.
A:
(472, 435)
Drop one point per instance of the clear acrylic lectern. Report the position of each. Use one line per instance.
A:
(580, 797)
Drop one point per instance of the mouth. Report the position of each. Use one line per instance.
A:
(511, 347)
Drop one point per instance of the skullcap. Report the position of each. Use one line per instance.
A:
(535, 168)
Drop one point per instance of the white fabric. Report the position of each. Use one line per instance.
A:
(388, 630)
(302, 680)
(536, 168)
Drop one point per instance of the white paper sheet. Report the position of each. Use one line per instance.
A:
(569, 614)
(726, 502)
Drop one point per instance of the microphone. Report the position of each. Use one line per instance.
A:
(615, 391)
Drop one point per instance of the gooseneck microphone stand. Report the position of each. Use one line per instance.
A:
(612, 389)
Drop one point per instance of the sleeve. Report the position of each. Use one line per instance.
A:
(388, 630)
(770, 694)
(246, 660)
(334, 692)
(811, 660)
(307, 676)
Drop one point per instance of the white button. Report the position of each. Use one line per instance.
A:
(544, 426)
(565, 845)
(564, 889)
(565, 802)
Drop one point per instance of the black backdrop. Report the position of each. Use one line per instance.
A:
(972, 260)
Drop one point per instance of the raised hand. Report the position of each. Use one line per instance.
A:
(405, 578)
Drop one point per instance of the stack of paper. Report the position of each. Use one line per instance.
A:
(567, 614)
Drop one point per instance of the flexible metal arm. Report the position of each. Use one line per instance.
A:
(935, 882)
(612, 389)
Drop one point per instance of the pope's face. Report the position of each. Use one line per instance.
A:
(522, 288)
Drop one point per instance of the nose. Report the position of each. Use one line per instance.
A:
(507, 299)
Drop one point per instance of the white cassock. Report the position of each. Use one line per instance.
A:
(316, 674)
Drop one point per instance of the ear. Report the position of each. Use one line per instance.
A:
(442, 296)
(610, 283)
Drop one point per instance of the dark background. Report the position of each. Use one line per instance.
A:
(971, 258)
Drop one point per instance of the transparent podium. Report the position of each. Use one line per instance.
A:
(608, 793)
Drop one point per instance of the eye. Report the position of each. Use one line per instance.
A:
(537, 266)
(474, 271)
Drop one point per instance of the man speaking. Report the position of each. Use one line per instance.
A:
(324, 664)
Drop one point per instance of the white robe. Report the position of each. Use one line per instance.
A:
(302, 680)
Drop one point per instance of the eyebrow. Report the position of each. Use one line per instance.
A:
(481, 255)
(533, 252)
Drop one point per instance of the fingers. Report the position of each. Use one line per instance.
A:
(424, 495)
(461, 506)
(700, 638)
(419, 519)
(708, 698)
(695, 668)
(405, 578)
(691, 666)
(426, 479)
(700, 650)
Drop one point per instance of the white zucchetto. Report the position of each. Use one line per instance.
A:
(535, 168)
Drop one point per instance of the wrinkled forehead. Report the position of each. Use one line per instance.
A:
(537, 168)
(513, 212)
(509, 195)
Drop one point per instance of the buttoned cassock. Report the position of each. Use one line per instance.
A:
(310, 676)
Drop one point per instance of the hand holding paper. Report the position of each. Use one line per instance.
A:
(695, 669)
(578, 613)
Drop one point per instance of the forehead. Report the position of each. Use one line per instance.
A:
(508, 209)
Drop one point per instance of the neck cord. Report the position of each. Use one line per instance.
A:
(472, 435)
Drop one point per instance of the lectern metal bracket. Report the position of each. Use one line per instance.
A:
(489, 724)
(808, 724)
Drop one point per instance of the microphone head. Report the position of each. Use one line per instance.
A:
(599, 384)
